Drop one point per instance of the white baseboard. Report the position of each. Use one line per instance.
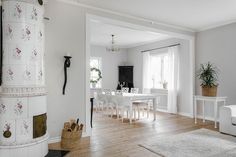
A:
(185, 114)
(162, 110)
(198, 116)
(58, 138)
(54, 139)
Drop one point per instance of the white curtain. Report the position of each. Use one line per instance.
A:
(147, 80)
(173, 81)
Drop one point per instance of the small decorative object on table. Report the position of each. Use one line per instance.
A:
(71, 134)
(208, 75)
(164, 84)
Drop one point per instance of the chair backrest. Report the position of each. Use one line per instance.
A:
(125, 90)
(118, 92)
(134, 90)
(107, 91)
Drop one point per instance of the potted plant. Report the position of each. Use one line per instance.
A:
(96, 75)
(208, 75)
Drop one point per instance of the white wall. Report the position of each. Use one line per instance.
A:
(66, 32)
(135, 58)
(218, 46)
(110, 63)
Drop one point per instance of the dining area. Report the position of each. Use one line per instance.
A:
(126, 103)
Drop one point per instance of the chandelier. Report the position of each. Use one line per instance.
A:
(113, 47)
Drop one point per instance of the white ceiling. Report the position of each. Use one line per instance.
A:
(194, 14)
(124, 37)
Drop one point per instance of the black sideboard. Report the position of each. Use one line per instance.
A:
(126, 75)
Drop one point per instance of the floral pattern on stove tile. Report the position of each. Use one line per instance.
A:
(8, 31)
(34, 13)
(40, 75)
(5, 53)
(18, 10)
(2, 108)
(24, 129)
(3, 13)
(7, 125)
(34, 54)
(26, 33)
(40, 33)
(27, 75)
(18, 109)
(17, 53)
(10, 74)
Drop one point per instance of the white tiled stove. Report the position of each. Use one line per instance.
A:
(23, 93)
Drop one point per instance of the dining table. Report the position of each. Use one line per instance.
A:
(139, 97)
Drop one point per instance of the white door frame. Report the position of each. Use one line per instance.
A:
(190, 38)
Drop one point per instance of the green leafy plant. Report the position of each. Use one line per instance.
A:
(99, 77)
(208, 75)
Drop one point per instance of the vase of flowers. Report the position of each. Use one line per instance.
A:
(164, 84)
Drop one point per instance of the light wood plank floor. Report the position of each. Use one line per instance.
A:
(112, 138)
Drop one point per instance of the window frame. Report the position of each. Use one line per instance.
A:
(162, 55)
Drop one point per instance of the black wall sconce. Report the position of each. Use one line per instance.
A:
(66, 65)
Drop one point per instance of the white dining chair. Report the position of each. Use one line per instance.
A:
(140, 105)
(124, 105)
(97, 102)
(134, 90)
(118, 92)
(125, 90)
(107, 91)
(100, 101)
(111, 104)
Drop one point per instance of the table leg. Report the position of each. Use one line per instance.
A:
(203, 111)
(216, 109)
(154, 107)
(138, 112)
(91, 120)
(134, 114)
(195, 111)
(130, 113)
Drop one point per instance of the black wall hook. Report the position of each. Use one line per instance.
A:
(66, 65)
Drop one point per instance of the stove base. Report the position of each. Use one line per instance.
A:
(37, 149)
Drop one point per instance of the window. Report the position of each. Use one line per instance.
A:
(159, 69)
(95, 62)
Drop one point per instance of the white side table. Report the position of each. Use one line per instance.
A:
(215, 100)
